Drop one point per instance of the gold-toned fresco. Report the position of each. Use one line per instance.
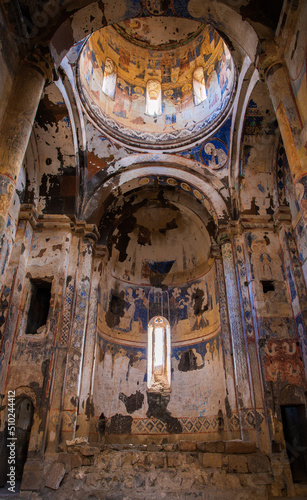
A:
(196, 80)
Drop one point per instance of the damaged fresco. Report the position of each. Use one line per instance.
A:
(193, 309)
(123, 370)
(153, 163)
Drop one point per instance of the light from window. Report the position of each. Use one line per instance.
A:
(199, 87)
(159, 355)
(159, 347)
(153, 98)
(109, 78)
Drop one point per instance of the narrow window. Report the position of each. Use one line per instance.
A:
(153, 98)
(199, 87)
(39, 305)
(159, 355)
(109, 78)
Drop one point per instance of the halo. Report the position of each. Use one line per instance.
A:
(185, 186)
(172, 182)
(143, 181)
(139, 90)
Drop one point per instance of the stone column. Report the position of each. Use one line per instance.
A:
(279, 86)
(86, 402)
(11, 297)
(16, 129)
(251, 336)
(75, 355)
(275, 73)
(242, 377)
(231, 402)
(62, 334)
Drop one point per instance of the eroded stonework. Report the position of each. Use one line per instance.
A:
(153, 305)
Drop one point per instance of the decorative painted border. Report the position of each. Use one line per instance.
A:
(251, 420)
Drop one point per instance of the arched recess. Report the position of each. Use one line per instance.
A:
(19, 405)
(294, 420)
(159, 218)
(54, 151)
(247, 81)
(24, 421)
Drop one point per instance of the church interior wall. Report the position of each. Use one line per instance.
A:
(118, 216)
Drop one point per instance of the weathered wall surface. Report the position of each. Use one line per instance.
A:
(258, 155)
(8, 62)
(197, 391)
(56, 155)
(211, 236)
(295, 57)
(275, 307)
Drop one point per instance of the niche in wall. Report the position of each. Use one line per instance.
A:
(39, 305)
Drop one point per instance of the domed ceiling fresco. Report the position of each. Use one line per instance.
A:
(153, 93)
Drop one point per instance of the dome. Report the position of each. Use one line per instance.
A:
(156, 83)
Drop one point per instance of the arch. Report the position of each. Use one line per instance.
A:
(291, 395)
(127, 169)
(294, 421)
(95, 15)
(24, 422)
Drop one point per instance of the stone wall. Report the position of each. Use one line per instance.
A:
(233, 470)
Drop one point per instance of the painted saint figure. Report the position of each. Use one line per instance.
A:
(218, 156)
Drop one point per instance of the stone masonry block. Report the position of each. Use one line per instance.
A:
(223, 481)
(87, 460)
(258, 462)
(170, 447)
(175, 459)
(237, 463)
(254, 480)
(238, 446)
(213, 460)
(211, 446)
(156, 460)
(55, 476)
(187, 445)
(131, 459)
(89, 451)
(70, 460)
(32, 476)
(215, 446)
